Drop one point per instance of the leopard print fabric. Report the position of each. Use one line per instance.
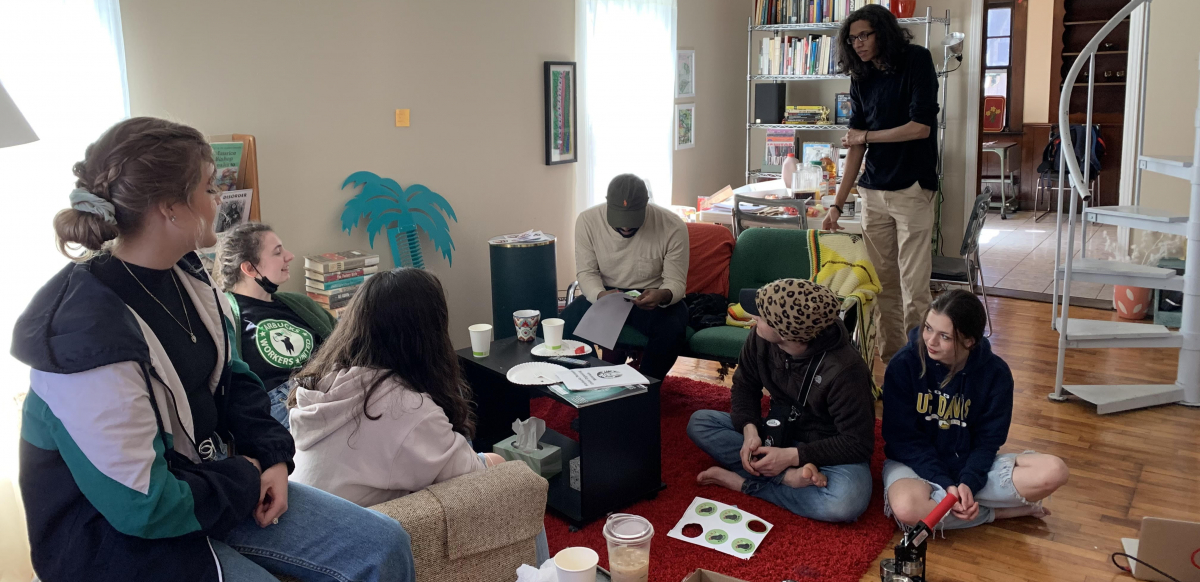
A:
(797, 308)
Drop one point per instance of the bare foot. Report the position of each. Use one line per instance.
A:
(1037, 511)
(720, 476)
(804, 476)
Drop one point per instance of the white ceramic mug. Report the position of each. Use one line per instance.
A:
(481, 340)
(576, 564)
(552, 330)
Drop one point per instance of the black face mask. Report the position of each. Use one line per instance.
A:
(265, 283)
(623, 235)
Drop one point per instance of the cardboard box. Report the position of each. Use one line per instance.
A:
(702, 575)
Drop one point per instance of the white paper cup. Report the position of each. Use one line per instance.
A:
(552, 329)
(576, 564)
(481, 340)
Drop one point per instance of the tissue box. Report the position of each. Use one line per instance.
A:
(702, 575)
(546, 461)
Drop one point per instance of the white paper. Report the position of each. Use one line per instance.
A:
(527, 236)
(234, 210)
(724, 528)
(606, 377)
(604, 319)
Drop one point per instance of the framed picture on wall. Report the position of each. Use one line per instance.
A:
(562, 144)
(685, 73)
(685, 126)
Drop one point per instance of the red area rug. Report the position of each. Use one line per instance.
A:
(797, 548)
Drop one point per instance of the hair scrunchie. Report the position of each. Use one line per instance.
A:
(85, 201)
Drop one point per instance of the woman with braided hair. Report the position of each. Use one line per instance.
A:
(148, 451)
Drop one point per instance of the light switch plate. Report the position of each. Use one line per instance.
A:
(401, 118)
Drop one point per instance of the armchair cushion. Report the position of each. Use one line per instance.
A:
(723, 343)
(479, 526)
(763, 255)
(709, 248)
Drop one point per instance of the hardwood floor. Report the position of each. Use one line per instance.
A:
(1123, 466)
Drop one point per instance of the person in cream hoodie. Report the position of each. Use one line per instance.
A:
(382, 410)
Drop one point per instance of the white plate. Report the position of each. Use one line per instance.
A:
(535, 373)
(568, 349)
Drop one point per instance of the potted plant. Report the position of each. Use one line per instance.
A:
(1130, 302)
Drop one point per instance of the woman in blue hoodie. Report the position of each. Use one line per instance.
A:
(947, 405)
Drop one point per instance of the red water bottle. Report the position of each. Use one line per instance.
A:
(910, 553)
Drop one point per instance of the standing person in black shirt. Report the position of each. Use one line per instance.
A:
(147, 448)
(277, 332)
(893, 95)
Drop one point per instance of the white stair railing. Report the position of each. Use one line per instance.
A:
(1101, 334)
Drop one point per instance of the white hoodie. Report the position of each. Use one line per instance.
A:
(339, 450)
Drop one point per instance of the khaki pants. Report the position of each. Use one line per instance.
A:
(897, 226)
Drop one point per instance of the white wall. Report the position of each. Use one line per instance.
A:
(1171, 91)
(716, 30)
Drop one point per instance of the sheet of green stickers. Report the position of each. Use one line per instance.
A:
(725, 528)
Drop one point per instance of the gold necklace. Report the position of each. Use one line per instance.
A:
(160, 303)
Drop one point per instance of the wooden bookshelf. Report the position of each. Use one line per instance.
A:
(247, 170)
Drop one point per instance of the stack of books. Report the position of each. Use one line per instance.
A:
(797, 55)
(806, 115)
(332, 278)
(809, 11)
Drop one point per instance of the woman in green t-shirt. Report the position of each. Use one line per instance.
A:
(277, 332)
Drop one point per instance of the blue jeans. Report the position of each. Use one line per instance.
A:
(279, 409)
(998, 492)
(322, 538)
(843, 499)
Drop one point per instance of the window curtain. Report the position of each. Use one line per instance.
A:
(63, 64)
(625, 53)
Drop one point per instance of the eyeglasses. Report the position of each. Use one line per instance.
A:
(850, 40)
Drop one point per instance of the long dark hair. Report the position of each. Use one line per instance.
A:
(397, 323)
(890, 41)
(136, 165)
(967, 316)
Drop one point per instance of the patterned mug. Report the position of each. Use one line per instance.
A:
(526, 321)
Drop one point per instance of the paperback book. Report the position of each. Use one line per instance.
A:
(340, 261)
(780, 143)
(330, 286)
(227, 158)
(339, 275)
(590, 397)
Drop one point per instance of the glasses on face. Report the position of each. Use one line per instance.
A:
(851, 40)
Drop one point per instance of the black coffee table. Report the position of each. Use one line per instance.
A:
(619, 440)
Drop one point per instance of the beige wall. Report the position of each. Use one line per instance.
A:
(716, 30)
(1171, 91)
(1039, 43)
(317, 83)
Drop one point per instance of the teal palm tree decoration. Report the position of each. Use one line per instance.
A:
(399, 212)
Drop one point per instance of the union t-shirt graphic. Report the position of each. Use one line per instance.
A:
(945, 409)
(283, 344)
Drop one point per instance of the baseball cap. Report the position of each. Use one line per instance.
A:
(627, 198)
(798, 309)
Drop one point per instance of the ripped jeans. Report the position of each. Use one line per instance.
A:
(998, 492)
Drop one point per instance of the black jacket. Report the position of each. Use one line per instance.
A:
(113, 487)
(838, 423)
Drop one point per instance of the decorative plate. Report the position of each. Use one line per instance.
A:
(569, 348)
(535, 373)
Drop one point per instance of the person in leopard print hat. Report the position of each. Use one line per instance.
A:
(810, 454)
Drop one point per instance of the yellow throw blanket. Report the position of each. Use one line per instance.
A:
(847, 271)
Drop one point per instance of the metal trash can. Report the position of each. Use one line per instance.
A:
(524, 276)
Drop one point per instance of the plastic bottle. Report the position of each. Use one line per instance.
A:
(830, 176)
(789, 171)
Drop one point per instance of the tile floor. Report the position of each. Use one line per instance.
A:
(1018, 254)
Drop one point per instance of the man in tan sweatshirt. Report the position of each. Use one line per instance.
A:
(629, 244)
